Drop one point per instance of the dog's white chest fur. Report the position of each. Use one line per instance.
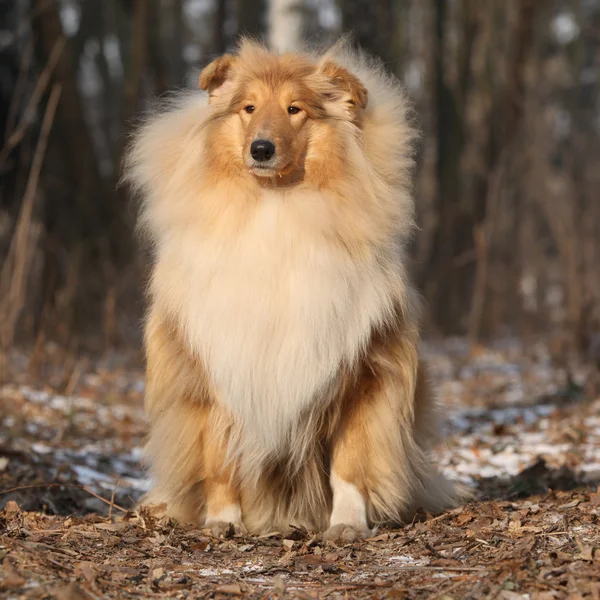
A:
(273, 312)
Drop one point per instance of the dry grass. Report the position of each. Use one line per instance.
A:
(14, 274)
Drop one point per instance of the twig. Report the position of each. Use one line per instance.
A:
(372, 584)
(433, 550)
(24, 24)
(447, 591)
(481, 235)
(24, 65)
(478, 300)
(85, 489)
(444, 515)
(112, 499)
(74, 378)
(432, 568)
(19, 132)
(78, 486)
(429, 568)
(91, 534)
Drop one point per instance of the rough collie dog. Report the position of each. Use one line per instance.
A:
(284, 384)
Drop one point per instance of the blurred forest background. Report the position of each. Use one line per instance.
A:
(507, 95)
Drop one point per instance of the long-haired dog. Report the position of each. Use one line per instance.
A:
(284, 383)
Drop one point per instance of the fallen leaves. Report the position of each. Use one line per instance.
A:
(10, 578)
(533, 533)
(502, 543)
(87, 570)
(71, 591)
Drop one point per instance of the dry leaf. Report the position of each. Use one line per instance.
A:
(246, 547)
(71, 592)
(234, 589)
(11, 577)
(464, 518)
(87, 570)
(279, 585)
(571, 504)
(200, 546)
(11, 507)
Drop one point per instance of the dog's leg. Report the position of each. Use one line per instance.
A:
(348, 477)
(349, 515)
(188, 436)
(379, 468)
(177, 402)
(223, 508)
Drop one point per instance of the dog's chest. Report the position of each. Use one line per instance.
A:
(273, 314)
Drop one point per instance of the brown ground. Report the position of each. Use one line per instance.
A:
(66, 440)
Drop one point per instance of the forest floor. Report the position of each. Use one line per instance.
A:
(525, 440)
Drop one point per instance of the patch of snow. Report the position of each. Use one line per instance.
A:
(250, 568)
(408, 561)
(565, 28)
(40, 448)
(87, 475)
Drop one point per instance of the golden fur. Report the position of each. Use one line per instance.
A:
(284, 384)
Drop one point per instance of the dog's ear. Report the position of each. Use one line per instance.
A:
(344, 85)
(216, 75)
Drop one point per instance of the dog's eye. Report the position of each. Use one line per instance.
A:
(293, 110)
(249, 109)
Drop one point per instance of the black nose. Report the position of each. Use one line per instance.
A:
(262, 150)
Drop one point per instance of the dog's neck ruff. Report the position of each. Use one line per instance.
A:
(273, 312)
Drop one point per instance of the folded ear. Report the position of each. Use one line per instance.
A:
(215, 76)
(345, 86)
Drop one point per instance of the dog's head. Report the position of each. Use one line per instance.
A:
(273, 110)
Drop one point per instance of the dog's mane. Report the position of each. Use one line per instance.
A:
(166, 132)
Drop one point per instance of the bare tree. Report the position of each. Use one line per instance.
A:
(374, 26)
(477, 117)
(286, 19)
(507, 96)
(251, 17)
(91, 191)
(156, 50)
(219, 44)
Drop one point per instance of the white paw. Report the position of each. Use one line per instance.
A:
(343, 532)
(225, 529)
(349, 514)
(226, 522)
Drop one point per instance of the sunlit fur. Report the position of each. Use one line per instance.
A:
(282, 336)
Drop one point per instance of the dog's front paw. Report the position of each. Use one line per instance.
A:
(224, 529)
(346, 533)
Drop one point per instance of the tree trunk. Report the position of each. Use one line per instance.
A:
(506, 111)
(251, 17)
(82, 214)
(156, 50)
(475, 121)
(453, 232)
(219, 43)
(374, 27)
(286, 19)
(138, 52)
(89, 189)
